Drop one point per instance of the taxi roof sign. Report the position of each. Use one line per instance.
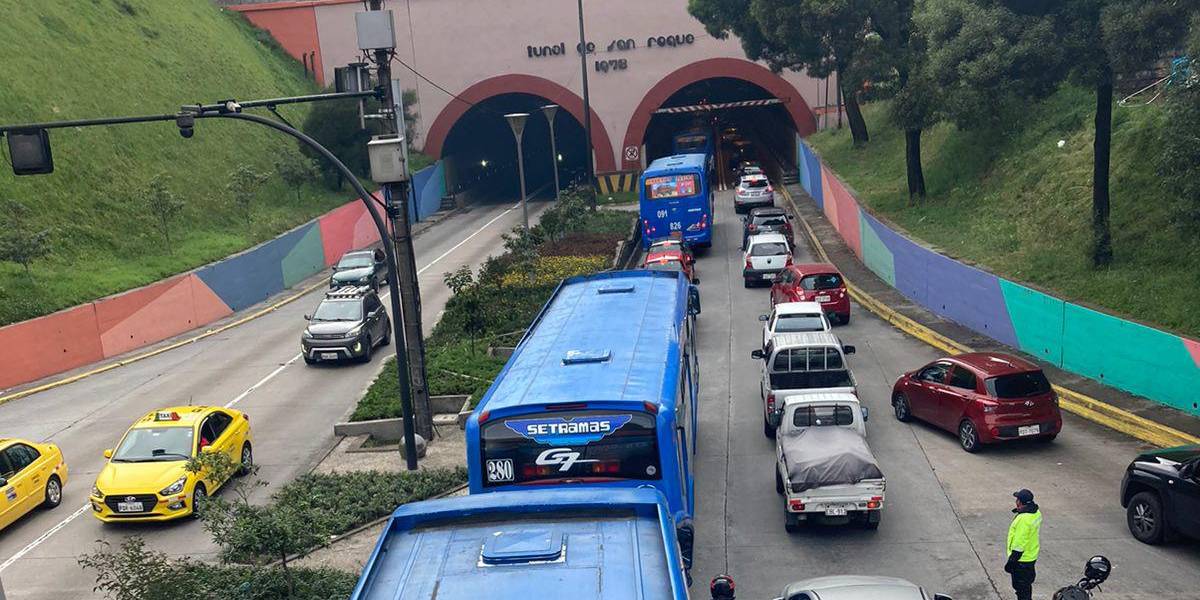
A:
(166, 415)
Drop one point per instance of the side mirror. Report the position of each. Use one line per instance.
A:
(693, 300)
(685, 532)
(864, 413)
(848, 349)
(307, 317)
(756, 354)
(108, 453)
(335, 268)
(776, 418)
(3, 482)
(695, 281)
(763, 318)
(941, 597)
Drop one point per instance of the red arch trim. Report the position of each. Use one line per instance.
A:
(735, 68)
(520, 84)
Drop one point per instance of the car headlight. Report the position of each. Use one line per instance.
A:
(307, 335)
(96, 492)
(174, 488)
(354, 332)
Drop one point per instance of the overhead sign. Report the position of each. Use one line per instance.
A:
(560, 431)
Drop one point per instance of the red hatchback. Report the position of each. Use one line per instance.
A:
(814, 282)
(664, 259)
(985, 397)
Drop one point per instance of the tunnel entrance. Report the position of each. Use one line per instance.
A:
(749, 123)
(481, 154)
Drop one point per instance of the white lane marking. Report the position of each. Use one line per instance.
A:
(63, 523)
(49, 532)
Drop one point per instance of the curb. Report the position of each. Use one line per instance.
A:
(1074, 402)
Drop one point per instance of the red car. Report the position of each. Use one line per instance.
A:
(658, 258)
(814, 282)
(985, 397)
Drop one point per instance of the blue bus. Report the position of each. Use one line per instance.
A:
(586, 544)
(675, 195)
(601, 392)
(699, 140)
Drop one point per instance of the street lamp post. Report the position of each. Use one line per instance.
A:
(587, 107)
(517, 122)
(550, 110)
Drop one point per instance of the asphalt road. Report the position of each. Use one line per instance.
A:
(947, 511)
(255, 366)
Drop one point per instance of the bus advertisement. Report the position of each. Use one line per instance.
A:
(675, 195)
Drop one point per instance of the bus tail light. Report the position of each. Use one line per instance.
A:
(536, 471)
(651, 407)
(796, 505)
(483, 416)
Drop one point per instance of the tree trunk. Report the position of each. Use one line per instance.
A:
(287, 575)
(912, 159)
(1102, 253)
(858, 126)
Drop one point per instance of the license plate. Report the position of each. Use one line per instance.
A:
(822, 298)
(1029, 430)
(329, 355)
(126, 507)
(835, 511)
(768, 276)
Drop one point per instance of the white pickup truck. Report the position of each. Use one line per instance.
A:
(824, 468)
(795, 363)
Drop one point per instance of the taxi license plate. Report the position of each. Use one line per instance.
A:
(822, 298)
(1029, 430)
(835, 511)
(768, 276)
(329, 355)
(128, 507)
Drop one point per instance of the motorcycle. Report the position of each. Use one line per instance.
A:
(1096, 572)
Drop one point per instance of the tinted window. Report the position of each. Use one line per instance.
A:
(155, 444)
(354, 262)
(962, 378)
(825, 281)
(668, 265)
(20, 456)
(338, 310)
(628, 451)
(768, 249)
(372, 303)
(1018, 385)
(6, 469)
(820, 416)
(935, 373)
(799, 322)
(220, 421)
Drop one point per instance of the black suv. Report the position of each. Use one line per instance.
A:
(1161, 494)
(767, 219)
(364, 267)
(348, 323)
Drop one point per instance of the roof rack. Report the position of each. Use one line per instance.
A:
(348, 292)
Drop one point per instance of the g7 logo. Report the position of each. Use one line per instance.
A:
(564, 457)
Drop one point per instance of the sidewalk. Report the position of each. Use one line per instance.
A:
(848, 263)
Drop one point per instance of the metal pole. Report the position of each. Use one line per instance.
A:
(408, 288)
(521, 170)
(587, 107)
(551, 110)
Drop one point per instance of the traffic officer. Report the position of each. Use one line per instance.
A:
(1023, 544)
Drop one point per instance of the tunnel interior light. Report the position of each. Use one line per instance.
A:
(483, 163)
(559, 158)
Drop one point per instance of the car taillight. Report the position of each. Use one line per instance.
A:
(796, 505)
(789, 260)
(753, 227)
(770, 189)
(749, 265)
(770, 402)
(874, 502)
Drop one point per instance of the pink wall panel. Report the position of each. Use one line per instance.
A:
(146, 315)
(208, 306)
(847, 211)
(51, 344)
(345, 229)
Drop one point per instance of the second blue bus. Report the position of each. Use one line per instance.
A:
(601, 391)
(675, 195)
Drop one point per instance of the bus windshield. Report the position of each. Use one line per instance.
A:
(578, 445)
(684, 143)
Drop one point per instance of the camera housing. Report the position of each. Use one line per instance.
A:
(186, 124)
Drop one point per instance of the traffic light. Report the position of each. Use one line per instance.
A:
(30, 152)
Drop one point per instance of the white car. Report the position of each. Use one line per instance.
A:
(752, 191)
(766, 255)
(858, 587)
(793, 317)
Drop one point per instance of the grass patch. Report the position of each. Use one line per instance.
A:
(1014, 202)
(136, 57)
(630, 197)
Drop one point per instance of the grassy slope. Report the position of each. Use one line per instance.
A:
(1020, 206)
(81, 58)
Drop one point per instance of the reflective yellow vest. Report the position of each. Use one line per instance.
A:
(1023, 536)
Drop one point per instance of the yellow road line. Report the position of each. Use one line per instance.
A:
(120, 363)
(1075, 402)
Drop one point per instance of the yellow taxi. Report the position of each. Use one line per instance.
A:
(145, 478)
(31, 475)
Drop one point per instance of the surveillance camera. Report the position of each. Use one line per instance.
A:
(186, 123)
(187, 132)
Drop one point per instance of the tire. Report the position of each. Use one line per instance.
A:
(791, 523)
(53, 495)
(247, 460)
(968, 436)
(767, 429)
(845, 319)
(901, 408)
(366, 357)
(199, 496)
(1145, 518)
(1046, 439)
(778, 482)
(746, 282)
(387, 335)
(309, 361)
(869, 523)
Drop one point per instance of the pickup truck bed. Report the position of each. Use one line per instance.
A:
(828, 473)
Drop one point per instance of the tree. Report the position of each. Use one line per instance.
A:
(335, 125)
(992, 50)
(20, 241)
(296, 170)
(243, 186)
(410, 117)
(132, 572)
(819, 36)
(163, 204)
(1181, 141)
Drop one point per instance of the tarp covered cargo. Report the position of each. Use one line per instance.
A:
(820, 456)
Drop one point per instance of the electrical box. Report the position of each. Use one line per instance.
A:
(30, 152)
(387, 159)
(376, 30)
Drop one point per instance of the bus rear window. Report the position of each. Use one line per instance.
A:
(671, 186)
(578, 445)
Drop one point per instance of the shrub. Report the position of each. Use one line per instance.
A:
(550, 270)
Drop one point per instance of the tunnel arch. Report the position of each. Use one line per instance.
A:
(801, 115)
(531, 85)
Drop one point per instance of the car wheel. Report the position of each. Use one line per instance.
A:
(370, 349)
(778, 482)
(1145, 518)
(845, 319)
(901, 408)
(746, 282)
(309, 361)
(1046, 439)
(53, 495)
(199, 497)
(791, 523)
(247, 463)
(767, 429)
(871, 520)
(968, 436)
(387, 334)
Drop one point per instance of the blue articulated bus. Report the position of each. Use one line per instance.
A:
(583, 543)
(675, 195)
(600, 392)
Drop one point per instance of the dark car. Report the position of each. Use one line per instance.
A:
(765, 219)
(360, 268)
(984, 397)
(348, 324)
(1161, 494)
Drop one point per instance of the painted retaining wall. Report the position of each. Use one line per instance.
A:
(78, 336)
(1129, 356)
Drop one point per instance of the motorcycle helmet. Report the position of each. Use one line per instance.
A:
(1097, 570)
(721, 587)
